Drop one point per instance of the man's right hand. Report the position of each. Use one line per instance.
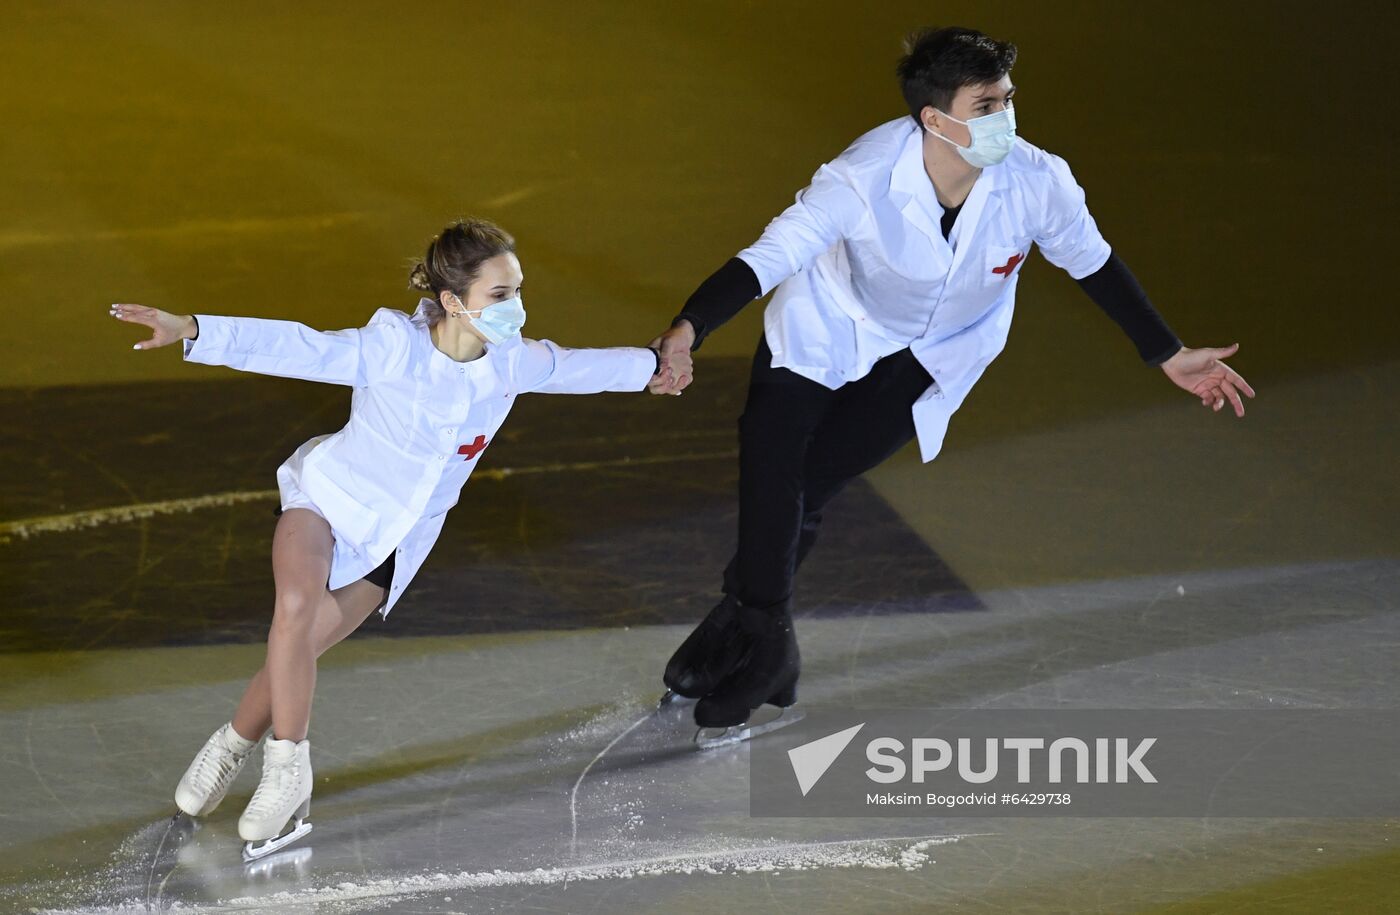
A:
(165, 327)
(677, 368)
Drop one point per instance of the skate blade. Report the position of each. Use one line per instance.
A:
(252, 851)
(673, 699)
(714, 738)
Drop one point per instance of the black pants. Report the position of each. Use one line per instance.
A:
(800, 443)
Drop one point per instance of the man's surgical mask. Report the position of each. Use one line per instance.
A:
(993, 137)
(500, 320)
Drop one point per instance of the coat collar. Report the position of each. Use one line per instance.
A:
(420, 319)
(912, 191)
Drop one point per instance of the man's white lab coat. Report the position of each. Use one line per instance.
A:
(418, 421)
(862, 269)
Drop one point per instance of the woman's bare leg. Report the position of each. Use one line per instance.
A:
(301, 563)
(301, 559)
(335, 620)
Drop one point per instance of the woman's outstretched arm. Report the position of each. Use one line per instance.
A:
(357, 356)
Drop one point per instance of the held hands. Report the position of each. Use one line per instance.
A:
(677, 368)
(1201, 372)
(167, 328)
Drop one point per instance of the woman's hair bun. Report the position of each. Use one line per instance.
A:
(418, 278)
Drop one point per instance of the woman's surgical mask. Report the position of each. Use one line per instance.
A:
(499, 321)
(993, 137)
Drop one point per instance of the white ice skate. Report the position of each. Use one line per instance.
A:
(714, 738)
(207, 780)
(283, 794)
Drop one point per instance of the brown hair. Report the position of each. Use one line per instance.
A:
(454, 260)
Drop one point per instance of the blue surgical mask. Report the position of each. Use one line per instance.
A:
(993, 137)
(500, 321)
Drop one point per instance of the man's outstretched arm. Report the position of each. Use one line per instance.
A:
(1200, 371)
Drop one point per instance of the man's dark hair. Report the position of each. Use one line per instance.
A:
(939, 62)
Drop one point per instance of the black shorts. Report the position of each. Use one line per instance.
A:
(381, 576)
(384, 574)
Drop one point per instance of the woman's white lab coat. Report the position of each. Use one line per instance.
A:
(419, 421)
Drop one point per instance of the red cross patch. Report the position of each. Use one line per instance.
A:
(1006, 269)
(475, 448)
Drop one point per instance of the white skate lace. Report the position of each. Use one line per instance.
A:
(215, 767)
(274, 791)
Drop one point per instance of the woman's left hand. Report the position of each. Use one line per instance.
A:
(1201, 372)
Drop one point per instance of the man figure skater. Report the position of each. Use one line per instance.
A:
(895, 275)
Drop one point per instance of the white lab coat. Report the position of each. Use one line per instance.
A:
(862, 269)
(418, 421)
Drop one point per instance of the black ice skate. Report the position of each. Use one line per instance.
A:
(707, 654)
(765, 672)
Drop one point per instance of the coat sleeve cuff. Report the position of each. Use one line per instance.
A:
(212, 336)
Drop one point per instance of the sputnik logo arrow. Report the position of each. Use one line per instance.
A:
(811, 760)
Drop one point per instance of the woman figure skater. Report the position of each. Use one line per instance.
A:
(362, 507)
